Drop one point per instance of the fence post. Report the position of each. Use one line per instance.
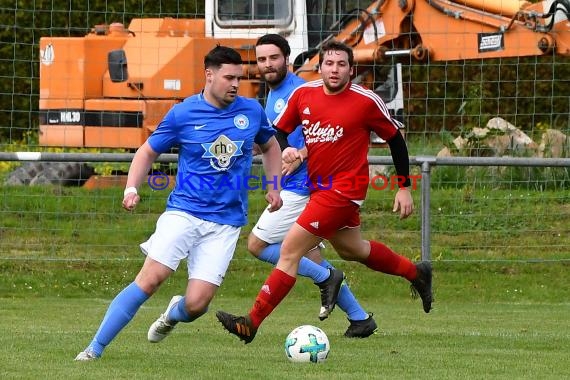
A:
(426, 163)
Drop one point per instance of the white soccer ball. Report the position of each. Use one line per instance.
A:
(307, 344)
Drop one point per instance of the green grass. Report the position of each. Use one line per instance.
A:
(485, 325)
(501, 287)
(467, 223)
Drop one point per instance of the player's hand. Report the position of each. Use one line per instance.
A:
(256, 150)
(130, 201)
(404, 203)
(288, 168)
(274, 200)
(291, 155)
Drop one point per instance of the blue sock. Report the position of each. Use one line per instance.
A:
(346, 301)
(324, 263)
(307, 268)
(270, 254)
(179, 313)
(120, 312)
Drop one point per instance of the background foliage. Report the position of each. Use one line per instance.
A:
(526, 91)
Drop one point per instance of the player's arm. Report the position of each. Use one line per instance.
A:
(271, 157)
(256, 150)
(401, 159)
(290, 154)
(281, 137)
(292, 159)
(140, 166)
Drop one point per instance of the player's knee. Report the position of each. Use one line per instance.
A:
(195, 311)
(253, 249)
(148, 283)
(196, 306)
(255, 245)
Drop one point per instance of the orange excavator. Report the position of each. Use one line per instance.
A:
(110, 88)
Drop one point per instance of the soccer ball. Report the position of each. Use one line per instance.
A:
(307, 344)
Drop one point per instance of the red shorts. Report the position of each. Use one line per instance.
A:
(327, 212)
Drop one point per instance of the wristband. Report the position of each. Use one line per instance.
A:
(130, 190)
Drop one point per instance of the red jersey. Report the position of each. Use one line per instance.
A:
(337, 134)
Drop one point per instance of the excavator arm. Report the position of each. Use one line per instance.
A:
(442, 30)
(422, 31)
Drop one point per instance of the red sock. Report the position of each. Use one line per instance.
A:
(383, 259)
(276, 287)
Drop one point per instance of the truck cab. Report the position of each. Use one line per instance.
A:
(305, 25)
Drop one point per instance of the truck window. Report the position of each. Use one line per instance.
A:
(323, 14)
(231, 13)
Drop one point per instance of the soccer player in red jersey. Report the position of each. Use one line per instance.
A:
(337, 116)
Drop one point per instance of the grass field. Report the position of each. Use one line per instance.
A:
(66, 253)
(487, 325)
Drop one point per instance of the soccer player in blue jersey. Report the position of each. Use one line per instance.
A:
(215, 132)
(264, 242)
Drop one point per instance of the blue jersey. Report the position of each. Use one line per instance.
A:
(276, 100)
(215, 155)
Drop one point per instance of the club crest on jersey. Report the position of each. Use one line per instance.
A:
(279, 105)
(221, 152)
(241, 121)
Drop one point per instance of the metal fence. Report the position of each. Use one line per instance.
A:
(426, 165)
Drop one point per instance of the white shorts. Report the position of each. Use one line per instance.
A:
(207, 246)
(273, 226)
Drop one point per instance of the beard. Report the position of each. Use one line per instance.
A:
(273, 78)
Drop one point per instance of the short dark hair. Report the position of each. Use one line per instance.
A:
(336, 45)
(221, 55)
(277, 40)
